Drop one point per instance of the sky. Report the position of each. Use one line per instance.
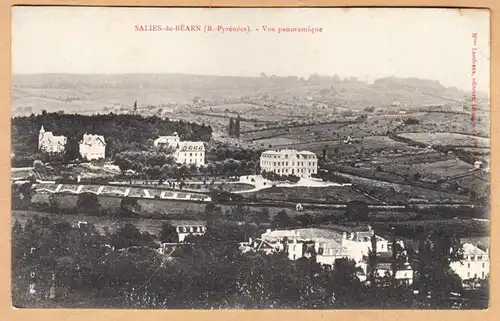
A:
(367, 43)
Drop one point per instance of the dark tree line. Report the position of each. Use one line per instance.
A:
(121, 132)
(234, 127)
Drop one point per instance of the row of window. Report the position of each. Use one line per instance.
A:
(190, 229)
(193, 161)
(473, 258)
(269, 163)
(292, 171)
(195, 154)
(475, 275)
(200, 148)
(468, 265)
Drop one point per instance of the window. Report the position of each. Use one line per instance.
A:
(483, 265)
(468, 265)
(482, 275)
(472, 257)
(480, 257)
(190, 154)
(468, 274)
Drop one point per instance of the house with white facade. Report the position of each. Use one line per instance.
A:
(49, 143)
(92, 147)
(475, 264)
(190, 153)
(185, 152)
(289, 162)
(170, 141)
(185, 228)
(384, 268)
(329, 245)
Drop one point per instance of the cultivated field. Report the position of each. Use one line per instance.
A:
(452, 123)
(330, 194)
(450, 139)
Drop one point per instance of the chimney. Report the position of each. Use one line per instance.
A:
(352, 235)
(250, 240)
(344, 236)
(268, 230)
(369, 228)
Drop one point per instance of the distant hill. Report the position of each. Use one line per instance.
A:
(88, 93)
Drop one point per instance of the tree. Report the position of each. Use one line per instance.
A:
(26, 193)
(129, 206)
(262, 216)
(88, 203)
(17, 229)
(128, 235)
(345, 283)
(168, 233)
(436, 250)
(357, 211)
(305, 219)
(54, 203)
(372, 262)
(281, 220)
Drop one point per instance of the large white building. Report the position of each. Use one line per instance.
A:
(475, 264)
(329, 245)
(190, 153)
(92, 147)
(289, 162)
(49, 143)
(185, 152)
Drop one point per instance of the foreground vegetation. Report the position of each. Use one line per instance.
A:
(84, 270)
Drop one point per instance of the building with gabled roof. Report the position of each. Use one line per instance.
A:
(49, 143)
(171, 141)
(329, 245)
(289, 162)
(475, 263)
(92, 147)
(185, 152)
(190, 153)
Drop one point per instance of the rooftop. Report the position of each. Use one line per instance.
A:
(288, 151)
(91, 138)
(470, 249)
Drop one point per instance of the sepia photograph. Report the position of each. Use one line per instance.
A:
(250, 158)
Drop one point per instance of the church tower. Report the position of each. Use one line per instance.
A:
(40, 137)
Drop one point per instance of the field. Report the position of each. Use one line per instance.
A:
(330, 194)
(452, 123)
(297, 133)
(459, 227)
(450, 139)
(161, 208)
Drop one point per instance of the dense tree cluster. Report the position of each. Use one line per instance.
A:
(121, 132)
(87, 268)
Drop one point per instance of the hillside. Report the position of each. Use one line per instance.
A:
(213, 99)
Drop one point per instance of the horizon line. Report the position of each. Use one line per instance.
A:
(238, 76)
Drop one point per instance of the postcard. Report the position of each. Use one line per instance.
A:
(250, 158)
